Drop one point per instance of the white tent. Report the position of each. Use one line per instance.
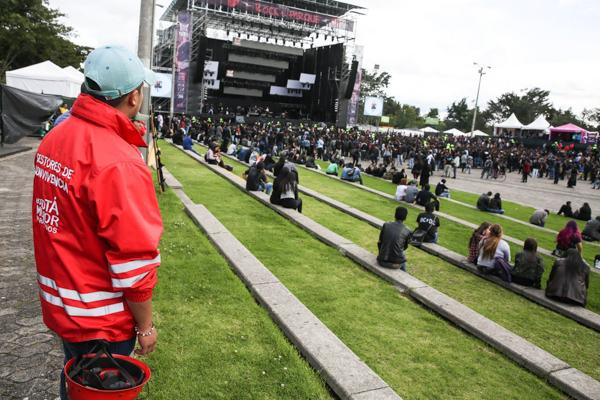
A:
(540, 124)
(46, 77)
(429, 129)
(511, 123)
(455, 132)
(477, 133)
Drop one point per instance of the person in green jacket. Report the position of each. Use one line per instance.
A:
(332, 168)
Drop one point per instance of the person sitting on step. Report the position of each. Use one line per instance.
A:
(441, 190)
(584, 213)
(425, 197)
(428, 224)
(285, 190)
(411, 192)
(401, 191)
(256, 179)
(539, 217)
(496, 205)
(483, 202)
(529, 266)
(566, 210)
(213, 157)
(351, 173)
(492, 248)
(568, 238)
(569, 279)
(393, 241)
(332, 168)
(591, 231)
(476, 237)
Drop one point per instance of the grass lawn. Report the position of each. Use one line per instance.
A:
(419, 354)
(452, 235)
(215, 341)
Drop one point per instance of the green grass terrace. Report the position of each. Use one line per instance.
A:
(419, 354)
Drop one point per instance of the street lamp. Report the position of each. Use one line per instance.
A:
(482, 71)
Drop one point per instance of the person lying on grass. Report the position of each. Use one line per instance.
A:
(393, 241)
(529, 266)
(569, 279)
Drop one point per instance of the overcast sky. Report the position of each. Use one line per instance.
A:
(429, 46)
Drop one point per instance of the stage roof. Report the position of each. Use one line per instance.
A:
(326, 7)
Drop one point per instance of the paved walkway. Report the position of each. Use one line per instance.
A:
(30, 356)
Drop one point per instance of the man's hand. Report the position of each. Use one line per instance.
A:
(147, 343)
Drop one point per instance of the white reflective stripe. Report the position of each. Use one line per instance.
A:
(128, 282)
(131, 265)
(75, 295)
(82, 312)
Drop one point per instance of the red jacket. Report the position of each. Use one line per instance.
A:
(96, 224)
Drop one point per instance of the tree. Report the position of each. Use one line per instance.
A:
(591, 117)
(526, 107)
(30, 33)
(459, 116)
(433, 113)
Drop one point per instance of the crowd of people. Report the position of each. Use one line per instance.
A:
(258, 144)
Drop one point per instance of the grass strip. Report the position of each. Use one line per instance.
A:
(453, 236)
(419, 354)
(215, 341)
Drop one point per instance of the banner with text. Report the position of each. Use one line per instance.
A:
(182, 61)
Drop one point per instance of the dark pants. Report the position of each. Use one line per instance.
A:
(292, 203)
(75, 349)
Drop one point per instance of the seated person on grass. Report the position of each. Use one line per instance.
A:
(568, 238)
(496, 205)
(492, 249)
(428, 223)
(285, 190)
(529, 266)
(566, 210)
(310, 163)
(213, 157)
(188, 144)
(441, 190)
(410, 195)
(483, 202)
(332, 168)
(393, 241)
(539, 217)
(425, 197)
(401, 191)
(256, 179)
(591, 231)
(569, 279)
(351, 173)
(478, 235)
(584, 213)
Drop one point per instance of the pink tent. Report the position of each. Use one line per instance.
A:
(569, 132)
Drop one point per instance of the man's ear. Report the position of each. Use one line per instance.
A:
(133, 99)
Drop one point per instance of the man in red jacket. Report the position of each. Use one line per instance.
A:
(96, 221)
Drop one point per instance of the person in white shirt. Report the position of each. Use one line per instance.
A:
(492, 247)
(400, 192)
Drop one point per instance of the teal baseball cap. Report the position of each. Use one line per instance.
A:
(114, 72)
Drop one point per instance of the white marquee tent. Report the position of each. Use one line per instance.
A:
(540, 124)
(512, 123)
(429, 129)
(47, 78)
(477, 132)
(455, 132)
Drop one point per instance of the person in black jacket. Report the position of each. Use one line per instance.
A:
(429, 223)
(566, 210)
(529, 266)
(256, 179)
(584, 213)
(425, 197)
(393, 240)
(285, 190)
(441, 190)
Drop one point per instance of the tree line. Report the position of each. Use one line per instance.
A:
(526, 105)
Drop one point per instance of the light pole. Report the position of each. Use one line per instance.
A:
(481, 71)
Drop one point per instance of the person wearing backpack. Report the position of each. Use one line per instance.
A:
(429, 223)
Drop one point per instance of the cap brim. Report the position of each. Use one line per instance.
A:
(149, 77)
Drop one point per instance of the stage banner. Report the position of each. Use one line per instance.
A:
(163, 86)
(354, 100)
(373, 106)
(281, 11)
(182, 60)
